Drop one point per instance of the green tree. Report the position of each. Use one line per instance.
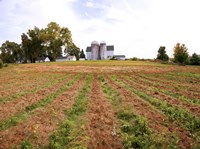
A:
(162, 54)
(1, 64)
(82, 54)
(180, 54)
(195, 59)
(55, 38)
(74, 50)
(32, 44)
(10, 52)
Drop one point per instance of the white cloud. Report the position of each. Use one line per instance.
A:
(136, 28)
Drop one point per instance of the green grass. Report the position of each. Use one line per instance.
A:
(175, 114)
(135, 132)
(104, 63)
(13, 120)
(70, 131)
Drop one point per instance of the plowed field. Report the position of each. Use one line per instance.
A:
(99, 105)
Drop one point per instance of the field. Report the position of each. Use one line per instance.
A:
(99, 104)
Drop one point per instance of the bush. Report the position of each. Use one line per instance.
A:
(134, 59)
(1, 63)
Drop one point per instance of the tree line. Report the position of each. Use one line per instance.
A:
(181, 56)
(38, 43)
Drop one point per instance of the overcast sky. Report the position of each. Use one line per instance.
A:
(137, 28)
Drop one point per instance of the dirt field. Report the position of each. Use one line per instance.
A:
(99, 105)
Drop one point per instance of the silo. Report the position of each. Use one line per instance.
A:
(94, 50)
(103, 50)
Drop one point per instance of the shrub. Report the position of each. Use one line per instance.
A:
(1, 63)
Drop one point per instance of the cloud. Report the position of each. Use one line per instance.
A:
(135, 27)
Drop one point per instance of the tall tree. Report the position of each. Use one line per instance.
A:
(82, 54)
(32, 44)
(10, 52)
(162, 54)
(55, 37)
(180, 53)
(195, 59)
(74, 50)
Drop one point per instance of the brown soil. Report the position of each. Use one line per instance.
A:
(141, 85)
(156, 120)
(43, 122)
(102, 121)
(193, 92)
(14, 107)
(23, 84)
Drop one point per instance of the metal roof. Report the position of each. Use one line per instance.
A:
(119, 56)
(110, 48)
(88, 49)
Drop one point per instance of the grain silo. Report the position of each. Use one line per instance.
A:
(95, 50)
(103, 50)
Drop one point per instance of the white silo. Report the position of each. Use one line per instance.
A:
(94, 50)
(103, 50)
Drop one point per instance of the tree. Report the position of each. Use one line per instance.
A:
(74, 50)
(195, 59)
(10, 52)
(162, 54)
(82, 54)
(180, 54)
(32, 44)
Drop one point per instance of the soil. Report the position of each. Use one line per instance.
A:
(43, 122)
(102, 121)
(156, 120)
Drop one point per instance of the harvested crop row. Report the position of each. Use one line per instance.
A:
(28, 90)
(156, 120)
(44, 120)
(169, 89)
(29, 110)
(26, 86)
(190, 87)
(23, 80)
(71, 133)
(14, 107)
(157, 93)
(135, 132)
(101, 120)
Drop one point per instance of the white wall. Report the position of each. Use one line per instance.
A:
(110, 54)
(88, 54)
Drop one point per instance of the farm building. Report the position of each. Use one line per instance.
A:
(99, 51)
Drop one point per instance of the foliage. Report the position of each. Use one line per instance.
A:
(134, 59)
(26, 145)
(66, 135)
(11, 52)
(82, 54)
(180, 54)
(1, 63)
(162, 54)
(195, 59)
(74, 50)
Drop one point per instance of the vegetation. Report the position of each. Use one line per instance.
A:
(144, 105)
(1, 64)
(38, 43)
(162, 54)
(195, 59)
(180, 54)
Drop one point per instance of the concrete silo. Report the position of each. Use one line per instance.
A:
(103, 50)
(95, 50)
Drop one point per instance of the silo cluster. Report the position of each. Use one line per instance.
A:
(98, 51)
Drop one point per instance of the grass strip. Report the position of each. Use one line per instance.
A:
(135, 132)
(67, 136)
(13, 120)
(22, 93)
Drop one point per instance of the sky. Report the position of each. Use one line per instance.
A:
(136, 28)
